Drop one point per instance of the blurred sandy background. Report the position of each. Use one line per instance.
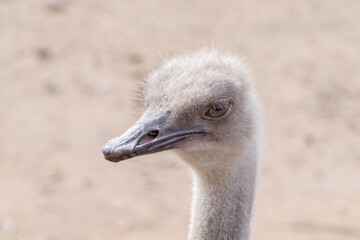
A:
(67, 72)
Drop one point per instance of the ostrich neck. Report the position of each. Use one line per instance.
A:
(222, 203)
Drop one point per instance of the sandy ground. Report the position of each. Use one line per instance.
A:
(67, 72)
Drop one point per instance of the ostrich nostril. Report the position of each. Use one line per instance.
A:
(154, 133)
(149, 137)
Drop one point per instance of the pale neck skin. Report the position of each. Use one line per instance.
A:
(223, 199)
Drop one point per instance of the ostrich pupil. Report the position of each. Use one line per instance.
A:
(216, 111)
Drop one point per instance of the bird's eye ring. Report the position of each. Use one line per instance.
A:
(217, 109)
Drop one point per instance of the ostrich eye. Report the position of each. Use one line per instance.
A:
(217, 109)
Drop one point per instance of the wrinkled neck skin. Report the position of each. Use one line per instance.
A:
(222, 196)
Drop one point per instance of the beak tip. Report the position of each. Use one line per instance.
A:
(113, 154)
(107, 151)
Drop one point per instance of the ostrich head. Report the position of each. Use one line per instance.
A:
(201, 104)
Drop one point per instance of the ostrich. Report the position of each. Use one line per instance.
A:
(203, 105)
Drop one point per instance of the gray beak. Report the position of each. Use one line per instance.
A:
(146, 137)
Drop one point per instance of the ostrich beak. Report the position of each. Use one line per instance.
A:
(146, 137)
